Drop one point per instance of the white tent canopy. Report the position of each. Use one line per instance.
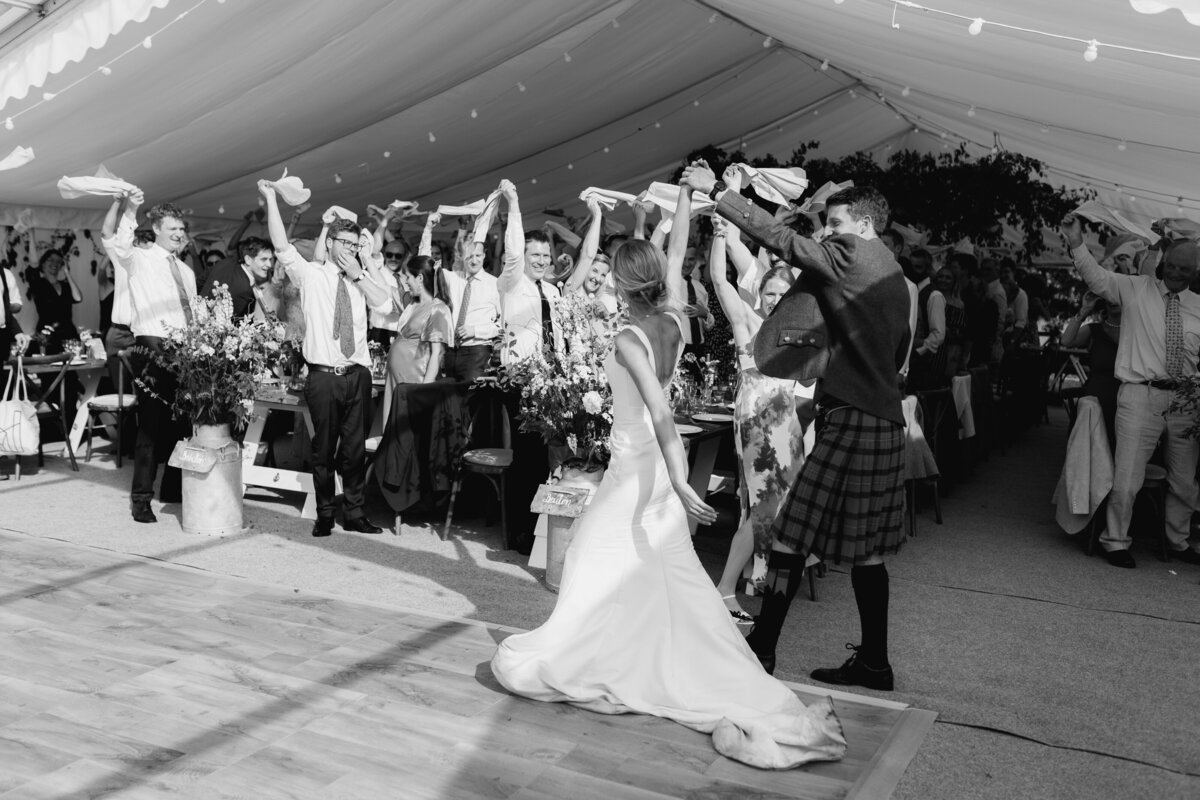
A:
(436, 100)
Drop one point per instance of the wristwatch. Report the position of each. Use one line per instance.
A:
(718, 187)
(359, 278)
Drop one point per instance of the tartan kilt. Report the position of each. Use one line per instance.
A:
(848, 501)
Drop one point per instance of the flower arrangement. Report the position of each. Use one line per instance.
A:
(1187, 401)
(565, 396)
(219, 363)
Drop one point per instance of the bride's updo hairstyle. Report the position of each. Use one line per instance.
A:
(639, 271)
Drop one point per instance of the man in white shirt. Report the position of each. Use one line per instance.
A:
(475, 296)
(527, 298)
(335, 296)
(1157, 349)
(160, 290)
(699, 317)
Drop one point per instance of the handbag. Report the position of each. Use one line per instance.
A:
(19, 430)
(793, 342)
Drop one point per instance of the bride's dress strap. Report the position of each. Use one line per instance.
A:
(641, 334)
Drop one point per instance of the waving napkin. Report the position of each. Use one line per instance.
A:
(608, 198)
(19, 157)
(816, 203)
(1097, 212)
(775, 184)
(103, 183)
(406, 208)
(337, 212)
(470, 209)
(1176, 228)
(291, 189)
(666, 197)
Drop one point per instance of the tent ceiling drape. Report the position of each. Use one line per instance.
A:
(230, 92)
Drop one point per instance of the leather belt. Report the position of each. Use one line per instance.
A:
(1167, 385)
(335, 370)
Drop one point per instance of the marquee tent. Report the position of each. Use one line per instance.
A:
(436, 100)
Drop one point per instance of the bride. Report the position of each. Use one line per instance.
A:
(639, 626)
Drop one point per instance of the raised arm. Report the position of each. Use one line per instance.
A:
(327, 219)
(677, 248)
(247, 218)
(639, 220)
(727, 294)
(275, 228)
(425, 246)
(631, 354)
(296, 215)
(1076, 334)
(514, 240)
(591, 244)
(379, 239)
(119, 245)
(1104, 283)
(109, 228)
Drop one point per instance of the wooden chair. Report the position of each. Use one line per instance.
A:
(116, 404)
(490, 462)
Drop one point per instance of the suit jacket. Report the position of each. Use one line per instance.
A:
(230, 273)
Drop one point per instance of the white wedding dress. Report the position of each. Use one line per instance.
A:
(640, 627)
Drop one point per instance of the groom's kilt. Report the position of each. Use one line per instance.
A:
(848, 500)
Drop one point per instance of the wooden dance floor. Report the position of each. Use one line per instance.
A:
(123, 677)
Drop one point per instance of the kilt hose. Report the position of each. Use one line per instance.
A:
(848, 501)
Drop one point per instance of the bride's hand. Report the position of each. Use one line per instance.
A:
(695, 506)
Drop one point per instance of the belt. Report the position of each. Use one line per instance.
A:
(1167, 385)
(335, 370)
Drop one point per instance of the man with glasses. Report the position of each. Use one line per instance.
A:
(334, 297)
(396, 255)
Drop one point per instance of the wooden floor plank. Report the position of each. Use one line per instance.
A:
(129, 678)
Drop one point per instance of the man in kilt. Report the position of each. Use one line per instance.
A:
(848, 501)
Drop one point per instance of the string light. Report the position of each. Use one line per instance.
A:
(8, 124)
(606, 148)
(567, 57)
(712, 19)
(520, 86)
(432, 138)
(570, 166)
(767, 42)
(221, 209)
(387, 153)
(148, 42)
(825, 65)
(1091, 52)
(657, 124)
(533, 180)
(696, 102)
(1122, 145)
(905, 92)
(105, 70)
(337, 177)
(48, 96)
(971, 111)
(976, 26)
(474, 114)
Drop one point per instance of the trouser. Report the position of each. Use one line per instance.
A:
(466, 363)
(158, 429)
(1141, 420)
(340, 406)
(116, 339)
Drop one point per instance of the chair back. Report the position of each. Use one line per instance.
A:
(491, 424)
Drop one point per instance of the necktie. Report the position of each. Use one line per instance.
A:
(547, 322)
(343, 319)
(694, 322)
(1174, 337)
(460, 330)
(185, 300)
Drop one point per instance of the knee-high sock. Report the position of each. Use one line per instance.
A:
(777, 598)
(871, 594)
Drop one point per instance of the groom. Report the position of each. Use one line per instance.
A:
(848, 499)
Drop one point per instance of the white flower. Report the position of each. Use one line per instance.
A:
(593, 403)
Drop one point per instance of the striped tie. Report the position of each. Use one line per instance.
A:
(1174, 337)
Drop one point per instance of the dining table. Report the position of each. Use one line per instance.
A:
(60, 365)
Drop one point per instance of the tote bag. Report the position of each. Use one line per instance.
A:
(18, 417)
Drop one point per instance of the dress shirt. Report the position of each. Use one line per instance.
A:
(389, 318)
(153, 296)
(995, 293)
(1020, 309)
(707, 321)
(935, 314)
(913, 314)
(1142, 347)
(482, 323)
(318, 297)
(14, 294)
(519, 299)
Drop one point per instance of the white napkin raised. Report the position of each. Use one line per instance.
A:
(816, 203)
(19, 157)
(291, 189)
(608, 198)
(1098, 212)
(103, 183)
(775, 184)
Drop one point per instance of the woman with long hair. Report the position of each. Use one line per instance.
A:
(639, 626)
(425, 326)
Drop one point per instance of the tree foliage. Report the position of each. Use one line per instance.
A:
(950, 195)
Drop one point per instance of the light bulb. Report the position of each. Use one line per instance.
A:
(767, 42)
(48, 95)
(105, 70)
(221, 209)
(712, 19)
(657, 124)
(816, 112)
(971, 111)
(147, 43)
(606, 148)
(533, 180)
(337, 177)
(853, 94)
(567, 57)
(1179, 208)
(432, 138)
(474, 114)
(1091, 52)
(696, 102)
(825, 65)
(905, 92)
(1122, 145)
(387, 153)
(995, 150)
(8, 124)
(570, 166)
(944, 134)
(976, 26)
(521, 86)
(916, 129)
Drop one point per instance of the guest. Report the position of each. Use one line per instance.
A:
(591, 276)
(848, 501)
(335, 296)
(396, 254)
(1016, 323)
(993, 292)
(475, 298)
(699, 318)
(928, 367)
(11, 335)
(55, 294)
(954, 345)
(526, 297)
(1101, 339)
(425, 323)
(244, 278)
(1159, 338)
(161, 288)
